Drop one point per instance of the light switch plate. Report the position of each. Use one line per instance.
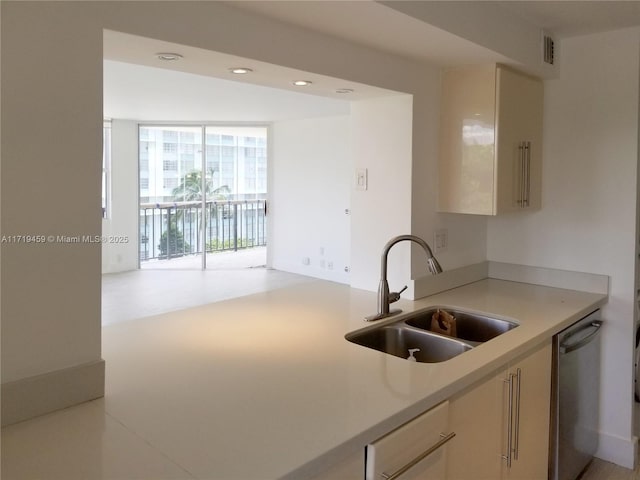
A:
(361, 179)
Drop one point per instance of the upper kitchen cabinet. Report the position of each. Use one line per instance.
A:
(490, 141)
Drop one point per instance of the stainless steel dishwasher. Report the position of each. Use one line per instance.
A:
(575, 390)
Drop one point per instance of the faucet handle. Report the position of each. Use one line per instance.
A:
(395, 296)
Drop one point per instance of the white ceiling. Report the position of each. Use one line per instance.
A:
(573, 18)
(199, 87)
(373, 24)
(158, 94)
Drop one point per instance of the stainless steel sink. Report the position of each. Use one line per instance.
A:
(471, 327)
(398, 338)
(413, 331)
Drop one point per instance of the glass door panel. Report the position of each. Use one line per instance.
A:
(236, 172)
(171, 196)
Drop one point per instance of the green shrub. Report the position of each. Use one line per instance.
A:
(217, 245)
(177, 245)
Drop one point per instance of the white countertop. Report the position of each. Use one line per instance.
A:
(283, 394)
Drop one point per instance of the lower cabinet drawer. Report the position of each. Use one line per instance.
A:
(415, 450)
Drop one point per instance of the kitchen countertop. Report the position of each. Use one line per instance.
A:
(284, 394)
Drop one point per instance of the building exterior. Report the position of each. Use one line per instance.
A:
(235, 160)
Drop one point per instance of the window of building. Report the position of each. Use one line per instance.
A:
(170, 183)
(187, 147)
(233, 157)
(170, 165)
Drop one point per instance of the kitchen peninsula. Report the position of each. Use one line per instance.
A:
(266, 386)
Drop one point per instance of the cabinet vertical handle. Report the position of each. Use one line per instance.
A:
(524, 174)
(521, 155)
(517, 408)
(508, 457)
(527, 173)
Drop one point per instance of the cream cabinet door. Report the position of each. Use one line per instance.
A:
(477, 417)
(502, 423)
(490, 159)
(415, 451)
(530, 419)
(466, 165)
(518, 155)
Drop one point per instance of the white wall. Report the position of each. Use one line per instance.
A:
(122, 222)
(588, 219)
(467, 234)
(52, 136)
(309, 193)
(60, 97)
(381, 141)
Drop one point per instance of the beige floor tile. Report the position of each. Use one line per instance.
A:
(142, 293)
(124, 436)
(81, 443)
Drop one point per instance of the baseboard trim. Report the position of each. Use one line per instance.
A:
(40, 394)
(618, 450)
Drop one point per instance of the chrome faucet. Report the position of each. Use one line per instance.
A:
(385, 298)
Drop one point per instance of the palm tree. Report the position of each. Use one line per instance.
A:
(191, 189)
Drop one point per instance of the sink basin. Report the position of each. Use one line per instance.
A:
(470, 326)
(397, 338)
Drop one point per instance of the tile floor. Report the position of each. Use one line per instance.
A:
(178, 284)
(243, 258)
(82, 443)
(95, 440)
(601, 470)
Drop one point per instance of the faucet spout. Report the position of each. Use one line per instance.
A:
(385, 298)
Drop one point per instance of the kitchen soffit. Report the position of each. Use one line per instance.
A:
(127, 48)
(377, 24)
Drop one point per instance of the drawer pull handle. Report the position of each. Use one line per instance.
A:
(444, 439)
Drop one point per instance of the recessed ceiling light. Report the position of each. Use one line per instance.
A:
(240, 70)
(302, 83)
(344, 90)
(168, 57)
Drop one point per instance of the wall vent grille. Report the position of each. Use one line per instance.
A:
(548, 50)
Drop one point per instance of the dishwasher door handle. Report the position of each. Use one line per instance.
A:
(566, 347)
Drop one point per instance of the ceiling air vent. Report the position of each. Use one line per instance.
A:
(548, 49)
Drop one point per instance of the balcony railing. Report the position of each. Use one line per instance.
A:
(170, 230)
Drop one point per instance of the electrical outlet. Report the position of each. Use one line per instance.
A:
(306, 260)
(441, 240)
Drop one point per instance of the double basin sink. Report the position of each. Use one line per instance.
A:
(413, 332)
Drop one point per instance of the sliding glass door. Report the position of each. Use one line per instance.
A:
(196, 202)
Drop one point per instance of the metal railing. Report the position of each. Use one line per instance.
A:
(170, 230)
